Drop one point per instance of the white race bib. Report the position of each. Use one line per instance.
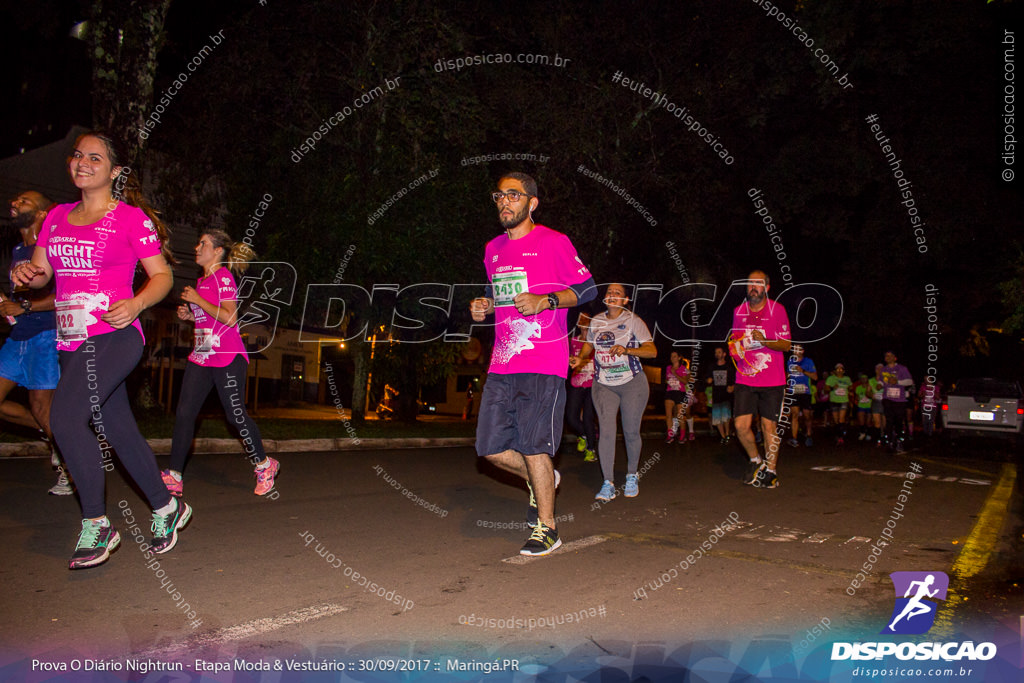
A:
(71, 324)
(203, 340)
(507, 285)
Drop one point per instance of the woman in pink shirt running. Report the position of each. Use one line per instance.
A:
(92, 248)
(218, 358)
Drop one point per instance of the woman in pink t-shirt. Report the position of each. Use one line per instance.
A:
(678, 397)
(91, 249)
(218, 359)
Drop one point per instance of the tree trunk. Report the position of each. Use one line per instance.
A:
(124, 38)
(360, 375)
(408, 407)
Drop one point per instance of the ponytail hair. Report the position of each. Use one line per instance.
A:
(236, 254)
(126, 188)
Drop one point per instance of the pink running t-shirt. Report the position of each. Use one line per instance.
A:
(93, 266)
(676, 379)
(216, 344)
(582, 377)
(756, 364)
(541, 262)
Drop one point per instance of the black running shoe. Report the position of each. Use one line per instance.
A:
(765, 479)
(542, 541)
(165, 527)
(95, 544)
(753, 467)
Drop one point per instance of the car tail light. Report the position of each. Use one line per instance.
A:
(945, 406)
(1020, 411)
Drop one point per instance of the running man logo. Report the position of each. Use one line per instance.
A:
(267, 288)
(913, 613)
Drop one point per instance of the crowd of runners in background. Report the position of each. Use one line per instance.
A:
(834, 404)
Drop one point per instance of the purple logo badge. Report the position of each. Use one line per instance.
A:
(915, 609)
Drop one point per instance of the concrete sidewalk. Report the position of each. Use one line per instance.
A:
(653, 427)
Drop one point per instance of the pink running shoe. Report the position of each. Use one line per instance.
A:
(174, 486)
(265, 477)
(693, 436)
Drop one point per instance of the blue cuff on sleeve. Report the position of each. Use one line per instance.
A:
(585, 291)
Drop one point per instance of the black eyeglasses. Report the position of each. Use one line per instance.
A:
(512, 196)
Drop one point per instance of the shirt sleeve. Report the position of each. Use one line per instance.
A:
(571, 270)
(43, 239)
(781, 320)
(226, 288)
(640, 330)
(142, 234)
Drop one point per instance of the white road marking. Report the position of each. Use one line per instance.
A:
(901, 475)
(571, 545)
(243, 631)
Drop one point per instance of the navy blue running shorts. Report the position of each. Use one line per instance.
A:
(522, 412)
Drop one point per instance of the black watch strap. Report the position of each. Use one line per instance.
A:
(553, 300)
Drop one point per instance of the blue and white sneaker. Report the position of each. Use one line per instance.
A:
(632, 487)
(607, 491)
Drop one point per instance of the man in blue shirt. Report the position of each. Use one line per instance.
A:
(29, 356)
(801, 373)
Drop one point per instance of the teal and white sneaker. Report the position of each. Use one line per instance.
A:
(165, 527)
(632, 487)
(95, 543)
(607, 491)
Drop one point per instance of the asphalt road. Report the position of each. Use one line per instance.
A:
(438, 534)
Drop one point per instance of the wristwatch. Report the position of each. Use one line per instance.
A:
(26, 305)
(553, 300)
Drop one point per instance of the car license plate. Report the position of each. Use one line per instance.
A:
(984, 417)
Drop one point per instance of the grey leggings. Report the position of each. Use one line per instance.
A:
(632, 397)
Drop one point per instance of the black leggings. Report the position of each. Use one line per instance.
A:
(195, 387)
(91, 387)
(895, 419)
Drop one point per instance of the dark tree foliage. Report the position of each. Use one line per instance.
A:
(929, 71)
